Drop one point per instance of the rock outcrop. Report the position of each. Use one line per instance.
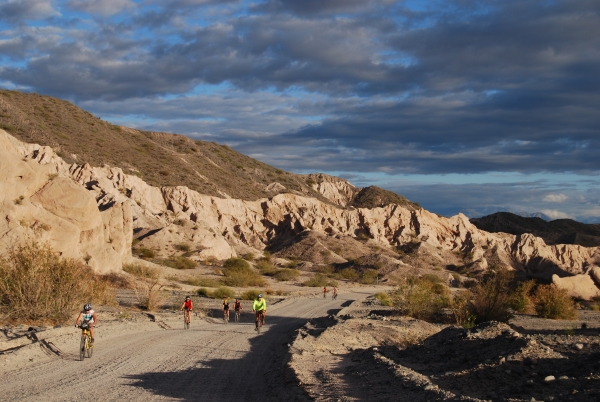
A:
(91, 212)
(39, 201)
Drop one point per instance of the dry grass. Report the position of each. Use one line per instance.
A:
(238, 273)
(320, 280)
(141, 270)
(36, 285)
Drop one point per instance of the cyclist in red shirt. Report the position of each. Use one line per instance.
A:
(188, 306)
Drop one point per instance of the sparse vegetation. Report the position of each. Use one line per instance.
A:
(38, 286)
(204, 282)
(320, 280)
(521, 301)
(287, 274)
(421, 297)
(551, 302)
(178, 262)
(237, 272)
(492, 297)
(142, 271)
(250, 294)
(222, 292)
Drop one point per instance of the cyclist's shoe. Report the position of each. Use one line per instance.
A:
(256, 328)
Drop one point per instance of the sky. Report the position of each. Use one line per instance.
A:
(460, 105)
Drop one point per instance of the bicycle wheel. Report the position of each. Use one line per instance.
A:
(89, 348)
(237, 317)
(82, 347)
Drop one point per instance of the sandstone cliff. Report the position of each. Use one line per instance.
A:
(91, 212)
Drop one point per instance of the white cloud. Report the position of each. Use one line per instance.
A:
(556, 198)
(554, 214)
(103, 7)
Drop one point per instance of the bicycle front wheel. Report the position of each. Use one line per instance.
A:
(82, 347)
(89, 348)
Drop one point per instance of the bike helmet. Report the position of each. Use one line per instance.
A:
(87, 307)
(187, 298)
(260, 296)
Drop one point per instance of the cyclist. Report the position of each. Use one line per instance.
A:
(334, 292)
(87, 315)
(188, 306)
(237, 306)
(324, 291)
(225, 309)
(260, 308)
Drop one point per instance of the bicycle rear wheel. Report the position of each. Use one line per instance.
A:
(237, 317)
(82, 347)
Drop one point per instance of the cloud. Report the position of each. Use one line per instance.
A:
(102, 7)
(560, 198)
(20, 11)
(554, 214)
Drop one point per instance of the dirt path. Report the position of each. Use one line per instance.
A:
(209, 362)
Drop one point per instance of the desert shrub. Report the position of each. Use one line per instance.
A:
(204, 282)
(460, 305)
(223, 292)
(178, 262)
(552, 302)
(492, 297)
(324, 269)
(143, 271)
(348, 273)
(210, 260)
(250, 294)
(287, 274)
(116, 280)
(248, 257)
(145, 253)
(239, 273)
(149, 293)
(421, 297)
(266, 268)
(369, 277)
(319, 280)
(383, 298)
(236, 263)
(203, 292)
(186, 248)
(37, 285)
(521, 300)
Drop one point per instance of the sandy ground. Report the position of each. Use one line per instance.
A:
(366, 353)
(136, 359)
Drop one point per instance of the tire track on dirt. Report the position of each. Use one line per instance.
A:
(209, 362)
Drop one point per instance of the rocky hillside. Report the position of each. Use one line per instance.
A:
(559, 231)
(91, 213)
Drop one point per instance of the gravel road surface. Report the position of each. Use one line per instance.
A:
(212, 361)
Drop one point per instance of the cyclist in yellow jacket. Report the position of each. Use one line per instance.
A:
(260, 308)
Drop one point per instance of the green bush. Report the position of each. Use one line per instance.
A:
(521, 300)
(369, 277)
(266, 268)
(551, 302)
(222, 292)
(250, 294)
(203, 292)
(287, 274)
(421, 297)
(348, 273)
(319, 280)
(238, 273)
(236, 263)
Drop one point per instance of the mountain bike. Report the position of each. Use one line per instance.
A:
(86, 346)
(237, 316)
(186, 319)
(334, 296)
(260, 320)
(226, 316)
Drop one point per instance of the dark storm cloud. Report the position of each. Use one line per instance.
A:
(18, 12)
(457, 86)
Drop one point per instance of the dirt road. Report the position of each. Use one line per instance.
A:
(210, 362)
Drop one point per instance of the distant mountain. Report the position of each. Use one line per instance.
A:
(558, 231)
(540, 215)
